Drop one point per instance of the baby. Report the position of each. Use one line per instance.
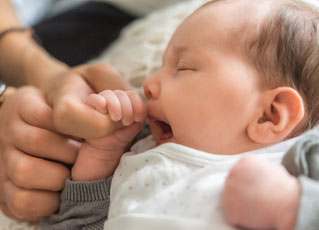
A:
(239, 77)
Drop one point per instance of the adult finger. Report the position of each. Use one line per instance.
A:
(30, 204)
(102, 77)
(74, 117)
(6, 211)
(43, 143)
(22, 169)
(35, 111)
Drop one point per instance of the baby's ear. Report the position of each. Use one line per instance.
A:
(283, 109)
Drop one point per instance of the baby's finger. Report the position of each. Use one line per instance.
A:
(113, 104)
(139, 108)
(97, 102)
(126, 107)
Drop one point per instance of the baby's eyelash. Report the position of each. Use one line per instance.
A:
(182, 69)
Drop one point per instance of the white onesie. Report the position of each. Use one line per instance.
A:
(173, 187)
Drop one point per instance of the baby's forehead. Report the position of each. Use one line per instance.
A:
(238, 14)
(228, 21)
(239, 20)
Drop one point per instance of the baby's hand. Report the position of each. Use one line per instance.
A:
(124, 106)
(99, 157)
(259, 194)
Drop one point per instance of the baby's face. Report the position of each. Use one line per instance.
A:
(205, 94)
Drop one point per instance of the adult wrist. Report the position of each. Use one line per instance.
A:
(39, 68)
(23, 61)
(11, 50)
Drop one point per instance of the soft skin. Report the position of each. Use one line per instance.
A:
(29, 185)
(208, 105)
(211, 96)
(249, 198)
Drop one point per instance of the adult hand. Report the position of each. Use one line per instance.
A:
(29, 183)
(259, 194)
(67, 94)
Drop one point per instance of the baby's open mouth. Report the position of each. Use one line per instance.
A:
(166, 132)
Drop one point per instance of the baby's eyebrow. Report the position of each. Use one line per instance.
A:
(176, 50)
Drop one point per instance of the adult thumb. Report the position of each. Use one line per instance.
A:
(102, 76)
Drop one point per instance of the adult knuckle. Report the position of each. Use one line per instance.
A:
(41, 115)
(62, 111)
(26, 90)
(21, 203)
(26, 94)
(61, 177)
(98, 71)
(107, 68)
(21, 172)
(32, 140)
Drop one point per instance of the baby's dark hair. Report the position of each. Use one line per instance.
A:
(284, 49)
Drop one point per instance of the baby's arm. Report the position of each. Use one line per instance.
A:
(259, 194)
(256, 189)
(98, 158)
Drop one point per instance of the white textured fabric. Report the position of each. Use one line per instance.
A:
(7, 224)
(174, 187)
(138, 52)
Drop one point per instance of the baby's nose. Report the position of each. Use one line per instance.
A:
(152, 88)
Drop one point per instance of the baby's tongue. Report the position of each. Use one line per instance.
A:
(165, 137)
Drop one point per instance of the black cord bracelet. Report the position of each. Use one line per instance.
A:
(3, 87)
(13, 30)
